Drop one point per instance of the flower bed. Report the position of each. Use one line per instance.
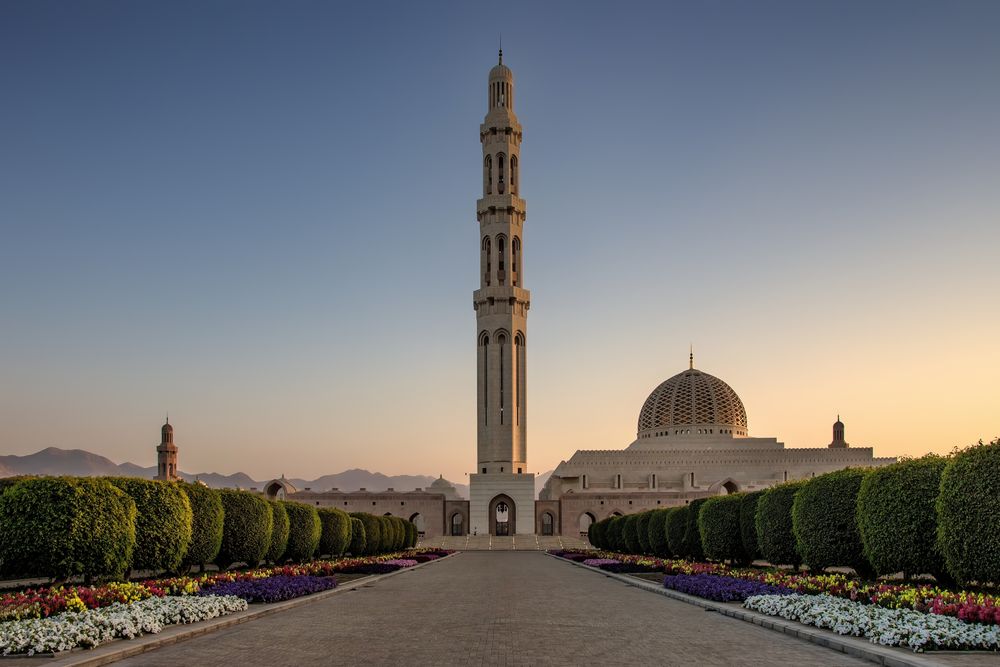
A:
(93, 627)
(720, 588)
(597, 562)
(271, 589)
(890, 627)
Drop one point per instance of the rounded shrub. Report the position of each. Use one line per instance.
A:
(358, 544)
(335, 536)
(824, 521)
(657, 533)
(388, 542)
(207, 518)
(630, 534)
(614, 533)
(748, 524)
(59, 527)
(412, 535)
(162, 522)
(246, 528)
(773, 521)
(279, 532)
(896, 516)
(304, 530)
(692, 535)
(597, 534)
(373, 533)
(400, 525)
(719, 525)
(642, 528)
(968, 514)
(676, 524)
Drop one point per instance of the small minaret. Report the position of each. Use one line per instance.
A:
(166, 455)
(838, 435)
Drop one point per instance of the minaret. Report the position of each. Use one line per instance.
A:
(501, 304)
(166, 455)
(838, 435)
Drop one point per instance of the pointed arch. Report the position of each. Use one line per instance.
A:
(488, 174)
(513, 174)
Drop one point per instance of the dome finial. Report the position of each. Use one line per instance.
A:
(691, 357)
(501, 49)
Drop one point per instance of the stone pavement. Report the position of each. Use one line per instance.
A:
(510, 543)
(494, 608)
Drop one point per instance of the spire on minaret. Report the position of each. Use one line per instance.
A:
(501, 49)
(691, 357)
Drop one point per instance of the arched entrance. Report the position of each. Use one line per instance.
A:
(502, 515)
(418, 521)
(457, 524)
(547, 523)
(585, 520)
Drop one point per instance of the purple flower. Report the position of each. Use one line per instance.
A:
(598, 562)
(271, 589)
(402, 562)
(369, 568)
(721, 588)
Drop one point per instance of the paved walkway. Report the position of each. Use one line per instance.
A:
(509, 543)
(495, 608)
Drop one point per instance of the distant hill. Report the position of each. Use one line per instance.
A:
(79, 462)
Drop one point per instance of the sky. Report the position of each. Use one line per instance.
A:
(260, 218)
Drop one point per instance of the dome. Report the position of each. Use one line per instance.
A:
(443, 486)
(501, 72)
(698, 402)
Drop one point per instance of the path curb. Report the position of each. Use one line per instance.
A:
(121, 649)
(855, 646)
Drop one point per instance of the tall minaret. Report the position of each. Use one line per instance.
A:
(166, 455)
(501, 305)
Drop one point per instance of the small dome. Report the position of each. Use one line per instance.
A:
(167, 428)
(443, 486)
(695, 400)
(501, 73)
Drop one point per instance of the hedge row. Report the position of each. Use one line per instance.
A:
(60, 527)
(933, 515)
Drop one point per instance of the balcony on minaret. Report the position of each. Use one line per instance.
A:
(501, 202)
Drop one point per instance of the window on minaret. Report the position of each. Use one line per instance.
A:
(500, 160)
(513, 174)
(501, 344)
(515, 251)
(501, 267)
(488, 168)
(487, 260)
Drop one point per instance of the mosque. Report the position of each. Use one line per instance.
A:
(692, 438)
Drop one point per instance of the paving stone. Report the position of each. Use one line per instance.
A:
(495, 608)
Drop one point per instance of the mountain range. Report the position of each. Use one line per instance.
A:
(81, 463)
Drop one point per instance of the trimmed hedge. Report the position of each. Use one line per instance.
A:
(692, 534)
(968, 514)
(61, 527)
(657, 533)
(896, 516)
(358, 542)
(824, 521)
(373, 533)
(207, 517)
(773, 521)
(676, 524)
(748, 524)
(162, 522)
(246, 528)
(388, 534)
(630, 534)
(304, 530)
(400, 533)
(412, 534)
(642, 527)
(279, 532)
(335, 536)
(719, 526)
(598, 533)
(614, 533)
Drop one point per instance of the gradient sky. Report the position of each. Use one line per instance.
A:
(260, 217)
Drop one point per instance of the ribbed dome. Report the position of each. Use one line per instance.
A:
(501, 73)
(696, 401)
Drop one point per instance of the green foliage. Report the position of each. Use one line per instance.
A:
(657, 533)
(59, 527)
(598, 534)
(896, 516)
(7, 482)
(162, 522)
(412, 535)
(748, 524)
(246, 528)
(373, 533)
(824, 521)
(773, 521)
(692, 534)
(719, 525)
(304, 530)
(630, 534)
(280, 531)
(388, 534)
(400, 526)
(968, 514)
(207, 517)
(336, 532)
(642, 528)
(614, 533)
(677, 520)
(358, 542)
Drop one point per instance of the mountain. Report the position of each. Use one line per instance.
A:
(81, 463)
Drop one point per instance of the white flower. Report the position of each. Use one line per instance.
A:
(890, 627)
